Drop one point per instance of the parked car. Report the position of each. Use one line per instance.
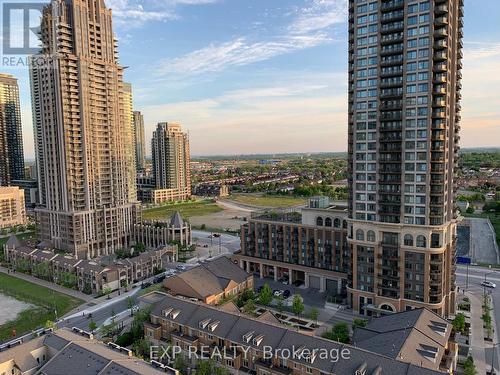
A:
(216, 235)
(279, 293)
(181, 268)
(298, 282)
(286, 294)
(259, 289)
(145, 285)
(488, 284)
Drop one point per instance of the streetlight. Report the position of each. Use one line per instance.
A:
(493, 372)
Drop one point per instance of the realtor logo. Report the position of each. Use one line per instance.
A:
(21, 24)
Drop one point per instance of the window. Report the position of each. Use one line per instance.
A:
(360, 235)
(319, 221)
(336, 223)
(328, 222)
(370, 236)
(421, 241)
(408, 240)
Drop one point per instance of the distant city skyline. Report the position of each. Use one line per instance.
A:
(230, 70)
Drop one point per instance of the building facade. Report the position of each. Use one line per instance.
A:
(140, 143)
(11, 138)
(12, 209)
(171, 161)
(309, 248)
(160, 233)
(404, 114)
(82, 135)
(128, 119)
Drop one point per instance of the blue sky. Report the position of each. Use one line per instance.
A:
(252, 76)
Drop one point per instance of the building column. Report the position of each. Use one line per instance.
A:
(306, 279)
(275, 273)
(290, 276)
(261, 270)
(339, 285)
(248, 266)
(322, 284)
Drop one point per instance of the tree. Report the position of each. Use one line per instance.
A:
(313, 314)
(92, 326)
(469, 367)
(141, 348)
(469, 210)
(459, 323)
(339, 332)
(266, 295)
(130, 305)
(297, 304)
(208, 367)
(107, 292)
(49, 324)
(358, 323)
(249, 307)
(244, 297)
(280, 303)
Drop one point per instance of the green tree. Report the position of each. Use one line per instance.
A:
(339, 332)
(313, 314)
(92, 326)
(469, 210)
(244, 297)
(141, 348)
(280, 303)
(107, 292)
(297, 304)
(459, 323)
(49, 324)
(469, 367)
(208, 367)
(266, 295)
(249, 307)
(357, 322)
(130, 305)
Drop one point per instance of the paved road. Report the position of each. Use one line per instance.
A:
(476, 276)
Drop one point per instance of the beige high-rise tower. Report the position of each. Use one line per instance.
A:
(171, 162)
(404, 117)
(82, 135)
(140, 145)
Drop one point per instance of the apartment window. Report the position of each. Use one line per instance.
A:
(421, 241)
(408, 240)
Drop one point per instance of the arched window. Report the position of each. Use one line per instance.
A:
(336, 222)
(360, 235)
(421, 241)
(370, 236)
(328, 222)
(408, 240)
(344, 224)
(319, 221)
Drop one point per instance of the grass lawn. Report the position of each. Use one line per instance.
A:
(274, 201)
(187, 210)
(42, 298)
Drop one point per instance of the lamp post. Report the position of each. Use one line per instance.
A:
(493, 372)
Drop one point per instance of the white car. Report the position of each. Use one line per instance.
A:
(279, 293)
(488, 284)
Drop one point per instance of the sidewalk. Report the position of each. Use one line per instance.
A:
(477, 344)
(49, 285)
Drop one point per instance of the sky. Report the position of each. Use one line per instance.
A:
(268, 76)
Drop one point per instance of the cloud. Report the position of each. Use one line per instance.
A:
(321, 14)
(238, 52)
(480, 50)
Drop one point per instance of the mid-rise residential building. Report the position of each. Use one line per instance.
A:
(256, 346)
(83, 146)
(303, 248)
(140, 143)
(11, 138)
(404, 117)
(12, 209)
(171, 163)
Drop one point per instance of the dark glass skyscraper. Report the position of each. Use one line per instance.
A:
(11, 138)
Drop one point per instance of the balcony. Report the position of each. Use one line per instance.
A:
(440, 56)
(439, 90)
(391, 71)
(391, 49)
(439, 103)
(441, 9)
(392, 16)
(441, 67)
(440, 78)
(443, 20)
(391, 27)
(441, 44)
(441, 32)
(391, 82)
(392, 38)
(391, 5)
(391, 60)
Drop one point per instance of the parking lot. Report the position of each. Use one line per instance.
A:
(311, 297)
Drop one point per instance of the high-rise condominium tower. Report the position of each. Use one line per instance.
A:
(404, 114)
(11, 139)
(171, 158)
(140, 144)
(82, 132)
(128, 117)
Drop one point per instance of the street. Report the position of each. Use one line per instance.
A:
(476, 276)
